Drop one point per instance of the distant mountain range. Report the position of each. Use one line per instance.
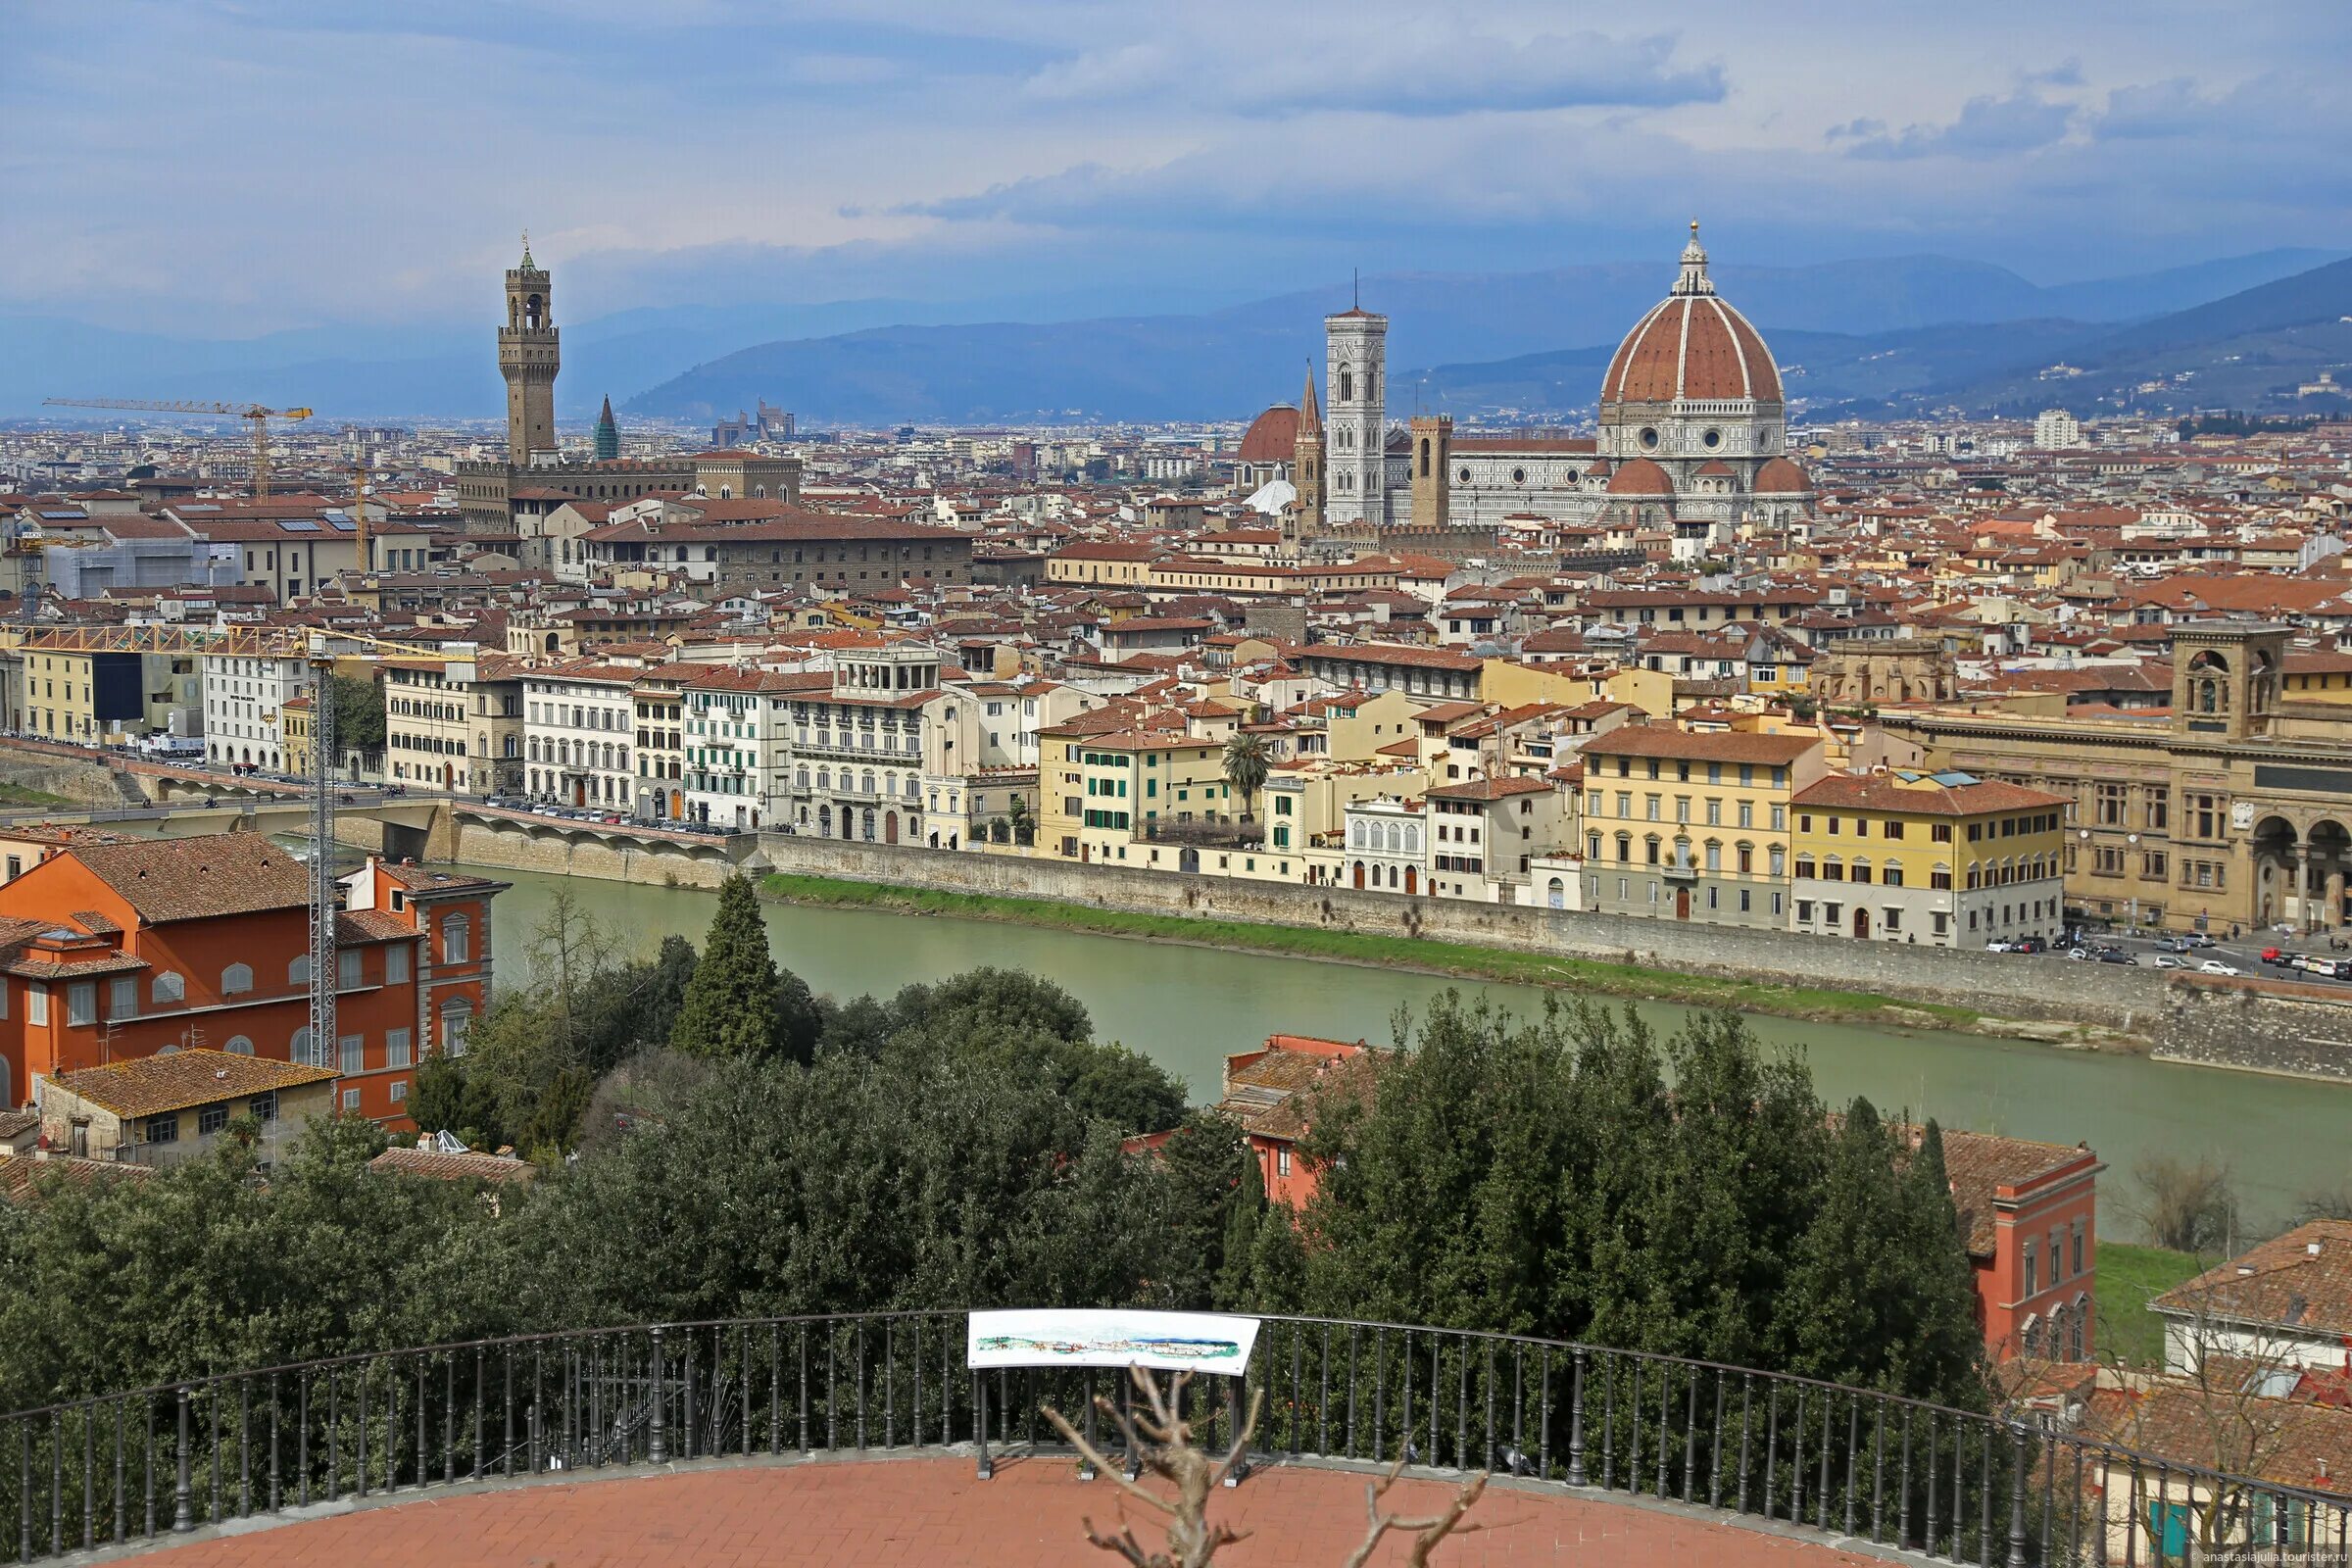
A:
(1884, 334)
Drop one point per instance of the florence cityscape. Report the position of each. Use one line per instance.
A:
(1052, 784)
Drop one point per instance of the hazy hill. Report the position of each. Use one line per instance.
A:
(879, 362)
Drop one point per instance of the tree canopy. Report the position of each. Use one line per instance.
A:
(714, 1141)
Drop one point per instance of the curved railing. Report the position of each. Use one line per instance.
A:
(1835, 1461)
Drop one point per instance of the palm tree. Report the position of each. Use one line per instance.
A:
(1246, 762)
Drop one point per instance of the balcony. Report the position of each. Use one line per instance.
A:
(1666, 1459)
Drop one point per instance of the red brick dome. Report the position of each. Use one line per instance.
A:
(1272, 437)
(1639, 476)
(1691, 347)
(1781, 477)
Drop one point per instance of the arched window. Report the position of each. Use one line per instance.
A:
(457, 939)
(239, 1046)
(298, 973)
(1779, 860)
(167, 987)
(236, 979)
(2076, 1317)
(1714, 855)
(299, 1052)
(1346, 385)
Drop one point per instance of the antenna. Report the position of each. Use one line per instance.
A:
(1358, 274)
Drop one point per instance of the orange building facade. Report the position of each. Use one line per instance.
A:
(2030, 1212)
(110, 953)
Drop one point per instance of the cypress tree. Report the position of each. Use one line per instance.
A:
(730, 1004)
(1241, 1223)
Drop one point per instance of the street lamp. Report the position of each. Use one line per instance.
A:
(2130, 843)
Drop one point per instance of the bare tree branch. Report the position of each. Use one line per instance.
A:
(1161, 1441)
(1427, 1531)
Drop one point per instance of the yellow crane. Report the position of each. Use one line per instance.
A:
(253, 413)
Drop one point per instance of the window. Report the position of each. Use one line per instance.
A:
(457, 939)
(264, 1106)
(2078, 1243)
(239, 1046)
(2031, 1279)
(124, 1000)
(236, 979)
(457, 1020)
(1282, 1162)
(346, 969)
(82, 1002)
(211, 1119)
(166, 987)
(399, 1091)
(351, 1100)
(397, 1052)
(164, 1129)
(298, 973)
(353, 1052)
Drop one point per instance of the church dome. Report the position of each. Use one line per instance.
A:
(1639, 476)
(1272, 437)
(1781, 477)
(1691, 347)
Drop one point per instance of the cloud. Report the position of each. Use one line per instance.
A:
(1404, 70)
(1987, 128)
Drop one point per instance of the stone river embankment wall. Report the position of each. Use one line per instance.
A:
(2111, 995)
(2254, 1024)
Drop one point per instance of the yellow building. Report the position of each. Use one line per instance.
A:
(1693, 825)
(1947, 859)
(1105, 797)
(294, 734)
(97, 699)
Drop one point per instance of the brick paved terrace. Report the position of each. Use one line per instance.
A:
(934, 1512)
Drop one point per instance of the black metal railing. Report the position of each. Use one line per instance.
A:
(1841, 1463)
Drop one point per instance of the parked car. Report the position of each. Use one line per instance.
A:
(2275, 955)
(2164, 960)
(2000, 945)
(2112, 955)
(2216, 966)
(2030, 945)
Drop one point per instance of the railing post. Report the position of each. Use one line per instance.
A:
(1232, 1424)
(183, 1496)
(1576, 1423)
(2017, 1494)
(661, 1440)
(988, 1466)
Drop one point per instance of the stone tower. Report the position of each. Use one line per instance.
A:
(1355, 458)
(1306, 459)
(608, 435)
(528, 358)
(2226, 677)
(1432, 457)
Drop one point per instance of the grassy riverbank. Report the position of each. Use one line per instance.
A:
(2129, 1278)
(1381, 952)
(21, 797)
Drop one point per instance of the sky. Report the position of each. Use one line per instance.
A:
(221, 168)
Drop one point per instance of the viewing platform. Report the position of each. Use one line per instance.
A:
(930, 1512)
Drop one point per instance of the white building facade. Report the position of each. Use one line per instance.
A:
(577, 733)
(243, 695)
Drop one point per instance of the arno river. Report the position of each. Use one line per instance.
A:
(1187, 1006)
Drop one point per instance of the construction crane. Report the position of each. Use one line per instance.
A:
(326, 905)
(252, 414)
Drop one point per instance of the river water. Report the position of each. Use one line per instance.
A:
(1187, 1006)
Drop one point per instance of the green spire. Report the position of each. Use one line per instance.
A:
(608, 435)
(527, 264)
